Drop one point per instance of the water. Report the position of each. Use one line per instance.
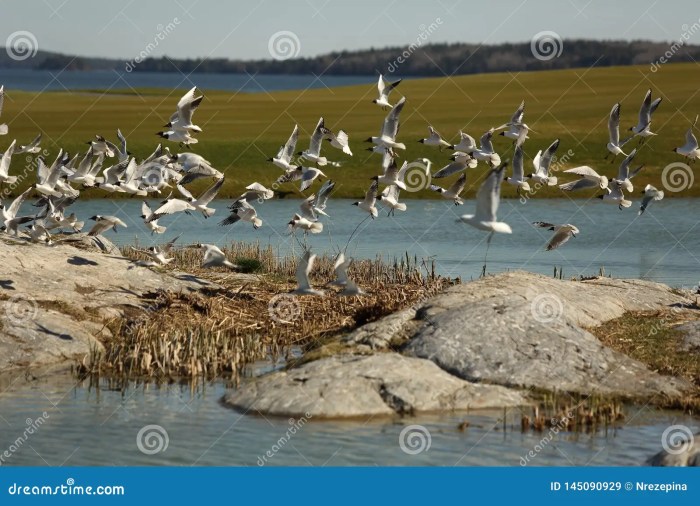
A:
(45, 80)
(662, 245)
(99, 426)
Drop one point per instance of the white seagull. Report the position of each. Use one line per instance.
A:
(590, 179)
(518, 179)
(614, 195)
(466, 143)
(384, 88)
(486, 151)
(624, 174)
(214, 257)
(614, 144)
(32, 148)
(487, 200)
(642, 128)
(304, 267)
(690, 149)
(370, 200)
(181, 120)
(339, 141)
(390, 129)
(434, 139)
(283, 159)
(299, 222)
(104, 223)
(462, 161)
(517, 130)
(650, 193)
(562, 233)
(390, 198)
(5, 165)
(201, 203)
(171, 206)
(151, 225)
(453, 191)
(313, 154)
(241, 210)
(9, 215)
(541, 162)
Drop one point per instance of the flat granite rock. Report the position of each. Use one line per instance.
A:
(526, 330)
(350, 386)
(55, 299)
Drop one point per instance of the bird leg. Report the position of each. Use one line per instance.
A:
(488, 244)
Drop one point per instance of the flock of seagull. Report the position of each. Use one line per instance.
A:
(57, 184)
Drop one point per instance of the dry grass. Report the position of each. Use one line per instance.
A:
(651, 338)
(219, 332)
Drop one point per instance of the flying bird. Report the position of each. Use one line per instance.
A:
(562, 233)
(650, 194)
(384, 88)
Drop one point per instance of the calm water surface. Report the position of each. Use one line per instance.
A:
(661, 245)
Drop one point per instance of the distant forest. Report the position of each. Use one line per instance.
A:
(426, 60)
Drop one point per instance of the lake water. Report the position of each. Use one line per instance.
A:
(45, 80)
(661, 245)
(98, 425)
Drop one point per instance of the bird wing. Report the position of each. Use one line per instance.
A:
(579, 184)
(517, 117)
(317, 137)
(614, 125)
(654, 105)
(211, 192)
(624, 169)
(187, 105)
(489, 194)
(122, 140)
(304, 267)
(546, 159)
(518, 171)
(543, 224)
(645, 111)
(562, 235)
(17, 203)
(458, 186)
(691, 141)
(341, 268)
(390, 127)
(184, 192)
(172, 206)
(146, 210)
(323, 194)
(585, 171)
(290, 145)
(371, 195)
(449, 169)
(485, 141)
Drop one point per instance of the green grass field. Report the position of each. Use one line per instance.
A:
(242, 130)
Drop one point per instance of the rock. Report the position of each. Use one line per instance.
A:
(350, 386)
(54, 300)
(691, 335)
(527, 330)
(686, 454)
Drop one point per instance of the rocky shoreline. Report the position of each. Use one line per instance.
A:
(497, 342)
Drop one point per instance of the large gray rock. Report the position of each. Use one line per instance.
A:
(687, 453)
(691, 335)
(351, 385)
(526, 330)
(54, 300)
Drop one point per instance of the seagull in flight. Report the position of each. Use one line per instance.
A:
(339, 141)
(690, 149)
(390, 197)
(517, 130)
(104, 223)
(5, 165)
(562, 233)
(466, 143)
(487, 199)
(462, 161)
(181, 120)
(151, 225)
(32, 148)
(283, 159)
(304, 267)
(370, 200)
(486, 152)
(624, 174)
(384, 88)
(434, 139)
(650, 194)
(614, 145)
(590, 179)
(642, 128)
(518, 180)
(241, 210)
(214, 257)
(453, 191)
(313, 154)
(541, 163)
(201, 203)
(615, 195)
(390, 129)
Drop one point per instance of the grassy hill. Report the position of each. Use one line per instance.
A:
(242, 130)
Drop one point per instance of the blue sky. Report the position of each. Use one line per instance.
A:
(242, 29)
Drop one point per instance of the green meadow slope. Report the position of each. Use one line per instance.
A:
(242, 130)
